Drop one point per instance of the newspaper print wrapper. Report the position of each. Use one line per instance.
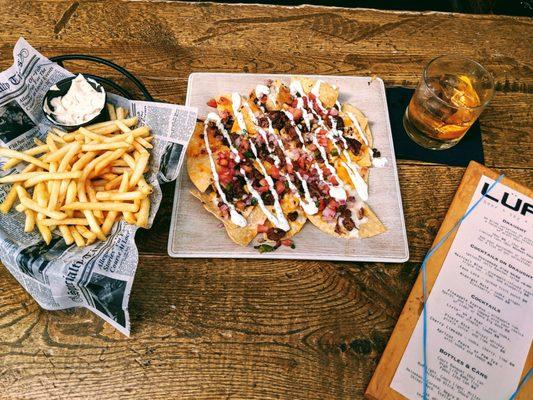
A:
(100, 276)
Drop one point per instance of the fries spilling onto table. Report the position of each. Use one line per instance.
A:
(81, 183)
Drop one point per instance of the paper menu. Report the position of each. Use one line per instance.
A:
(480, 310)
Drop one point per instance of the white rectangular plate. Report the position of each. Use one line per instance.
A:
(196, 233)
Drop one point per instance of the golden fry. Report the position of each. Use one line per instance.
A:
(48, 176)
(75, 177)
(66, 221)
(103, 206)
(107, 196)
(22, 156)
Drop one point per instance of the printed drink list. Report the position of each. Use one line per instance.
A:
(479, 324)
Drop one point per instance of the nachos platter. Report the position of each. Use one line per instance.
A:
(269, 160)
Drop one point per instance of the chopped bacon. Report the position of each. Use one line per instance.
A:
(240, 205)
(263, 98)
(263, 189)
(223, 162)
(263, 182)
(294, 103)
(301, 162)
(262, 228)
(275, 234)
(245, 145)
(212, 103)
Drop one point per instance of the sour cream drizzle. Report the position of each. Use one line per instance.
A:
(235, 217)
(298, 131)
(307, 204)
(236, 105)
(279, 220)
(358, 127)
(353, 169)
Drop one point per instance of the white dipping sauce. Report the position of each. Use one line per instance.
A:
(81, 103)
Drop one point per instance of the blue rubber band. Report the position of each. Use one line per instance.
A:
(526, 378)
(424, 288)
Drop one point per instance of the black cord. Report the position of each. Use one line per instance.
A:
(99, 60)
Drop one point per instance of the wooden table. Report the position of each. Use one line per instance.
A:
(213, 329)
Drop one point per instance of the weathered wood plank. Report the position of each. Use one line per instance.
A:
(205, 329)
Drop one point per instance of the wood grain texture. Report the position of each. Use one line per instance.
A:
(212, 329)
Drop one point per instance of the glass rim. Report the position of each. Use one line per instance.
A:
(478, 65)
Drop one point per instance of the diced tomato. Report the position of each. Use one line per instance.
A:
(263, 98)
(280, 187)
(225, 176)
(286, 242)
(245, 145)
(263, 182)
(301, 162)
(223, 162)
(290, 168)
(311, 96)
(321, 204)
(262, 228)
(323, 141)
(305, 102)
(212, 103)
(333, 204)
(240, 204)
(294, 103)
(312, 147)
(273, 171)
(263, 189)
(333, 180)
(297, 114)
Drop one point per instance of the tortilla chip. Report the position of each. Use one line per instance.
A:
(371, 227)
(240, 235)
(289, 203)
(198, 165)
(363, 123)
(328, 94)
(235, 128)
(224, 104)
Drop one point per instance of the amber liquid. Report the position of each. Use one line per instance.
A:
(449, 116)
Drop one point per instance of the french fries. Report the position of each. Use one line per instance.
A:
(79, 184)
